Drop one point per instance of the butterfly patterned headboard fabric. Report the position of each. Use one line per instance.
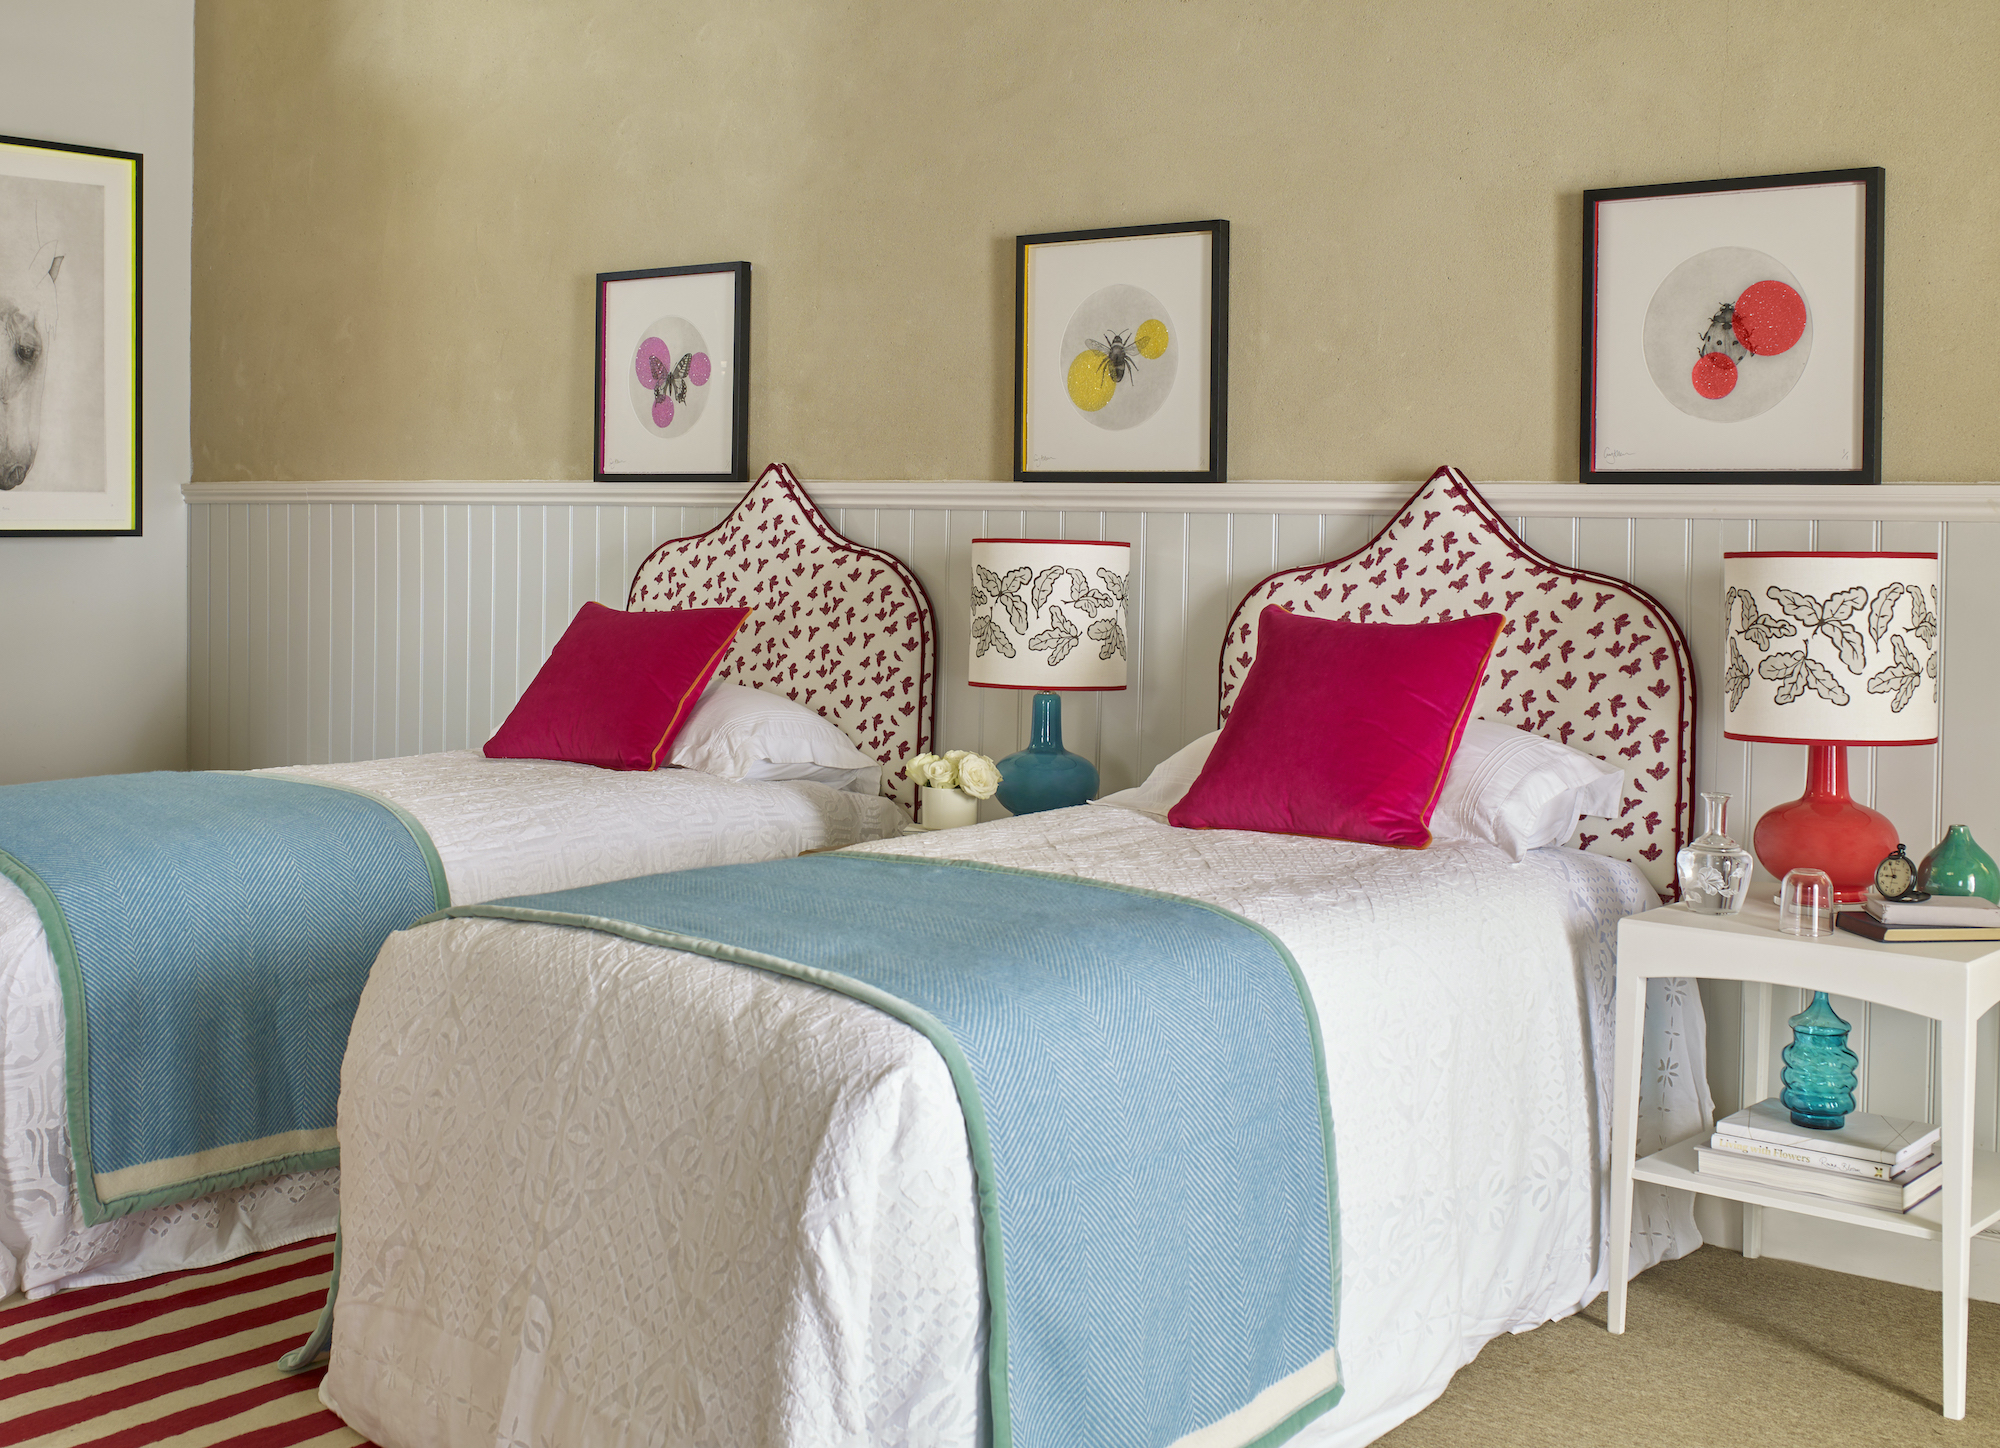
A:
(1583, 658)
(842, 629)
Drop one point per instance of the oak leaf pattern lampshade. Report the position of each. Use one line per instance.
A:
(1831, 648)
(1048, 613)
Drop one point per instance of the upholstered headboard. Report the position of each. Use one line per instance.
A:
(840, 628)
(1584, 658)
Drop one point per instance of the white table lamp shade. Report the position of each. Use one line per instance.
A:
(1831, 648)
(1049, 613)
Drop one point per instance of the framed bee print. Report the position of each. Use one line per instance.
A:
(1732, 331)
(1121, 356)
(673, 374)
(69, 340)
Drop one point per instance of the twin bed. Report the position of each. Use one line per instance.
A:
(604, 1183)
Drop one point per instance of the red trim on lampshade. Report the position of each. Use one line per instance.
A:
(1849, 743)
(1800, 553)
(1065, 542)
(1055, 688)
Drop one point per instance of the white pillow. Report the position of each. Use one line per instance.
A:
(747, 734)
(1506, 786)
(1171, 778)
(1521, 791)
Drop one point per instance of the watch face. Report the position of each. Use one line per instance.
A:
(1894, 876)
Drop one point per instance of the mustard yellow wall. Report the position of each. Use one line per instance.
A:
(400, 206)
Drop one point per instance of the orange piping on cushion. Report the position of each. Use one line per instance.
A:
(1458, 729)
(700, 681)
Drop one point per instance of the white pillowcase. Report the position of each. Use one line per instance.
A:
(747, 734)
(1521, 791)
(1506, 786)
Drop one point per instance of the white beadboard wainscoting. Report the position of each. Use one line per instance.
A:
(351, 620)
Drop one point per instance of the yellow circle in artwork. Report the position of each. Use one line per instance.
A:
(1152, 338)
(1090, 381)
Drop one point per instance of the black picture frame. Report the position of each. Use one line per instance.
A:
(1828, 415)
(629, 443)
(1189, 421)
(72, 289)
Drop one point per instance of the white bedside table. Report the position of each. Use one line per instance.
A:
(1954, 984)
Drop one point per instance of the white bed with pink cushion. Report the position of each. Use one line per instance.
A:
(644, 1195)
(779, 757)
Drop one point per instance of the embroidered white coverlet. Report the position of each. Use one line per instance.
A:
(501, 827)
(604, 1192)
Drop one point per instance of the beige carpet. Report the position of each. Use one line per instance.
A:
(1718, 1350)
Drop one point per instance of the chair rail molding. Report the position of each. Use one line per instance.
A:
(1890, 502)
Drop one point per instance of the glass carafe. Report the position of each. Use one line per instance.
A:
(1714, 870)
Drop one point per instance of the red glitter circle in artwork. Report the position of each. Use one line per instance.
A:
(1715, 375)
(1770, 318)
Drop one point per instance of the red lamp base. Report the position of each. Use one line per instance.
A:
(1825, 829)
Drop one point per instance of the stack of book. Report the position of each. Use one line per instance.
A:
(1941, 917)
(1876, 1161)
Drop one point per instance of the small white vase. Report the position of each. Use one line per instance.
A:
(947, 809)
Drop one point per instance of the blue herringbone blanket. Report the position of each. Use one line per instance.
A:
(1145, 1098)
(212, 933)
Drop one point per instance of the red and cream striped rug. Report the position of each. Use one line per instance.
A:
(187, 1359)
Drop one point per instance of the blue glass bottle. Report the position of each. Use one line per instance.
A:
(1045, 775)
(1819, 1069)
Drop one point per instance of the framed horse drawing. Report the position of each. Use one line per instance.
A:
(69, 339)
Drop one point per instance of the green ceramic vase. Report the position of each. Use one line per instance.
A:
(1959, 867)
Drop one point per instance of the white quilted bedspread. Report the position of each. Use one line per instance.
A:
(600, 1192)
(502, 827)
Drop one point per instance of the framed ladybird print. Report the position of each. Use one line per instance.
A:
(1121, 355)
(673, 374)
(1732, 331)
(70, 313)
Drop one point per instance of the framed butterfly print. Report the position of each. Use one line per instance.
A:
(673, 374)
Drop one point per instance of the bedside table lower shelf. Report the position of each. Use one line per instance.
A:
(1676, 1167)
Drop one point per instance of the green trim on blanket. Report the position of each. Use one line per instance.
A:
(76, 1037)
(948, 1048)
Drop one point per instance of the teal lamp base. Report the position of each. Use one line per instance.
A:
(1819, 1069)
(1045, 775)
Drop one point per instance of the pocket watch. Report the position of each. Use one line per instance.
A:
(1896, 878)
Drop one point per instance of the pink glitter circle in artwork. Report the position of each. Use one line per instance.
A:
(1770, 318)
(1715, 375)
(698, 369)
(663, 411)
(653, 350)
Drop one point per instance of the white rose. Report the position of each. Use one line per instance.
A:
(917, 771)
(954, 755)
(941, 774)
(978, 776)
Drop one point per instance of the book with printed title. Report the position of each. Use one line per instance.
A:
(1898, 1194)
(1864, 1135)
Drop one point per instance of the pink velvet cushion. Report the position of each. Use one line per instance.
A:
(1342, 730)
(617, 687)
